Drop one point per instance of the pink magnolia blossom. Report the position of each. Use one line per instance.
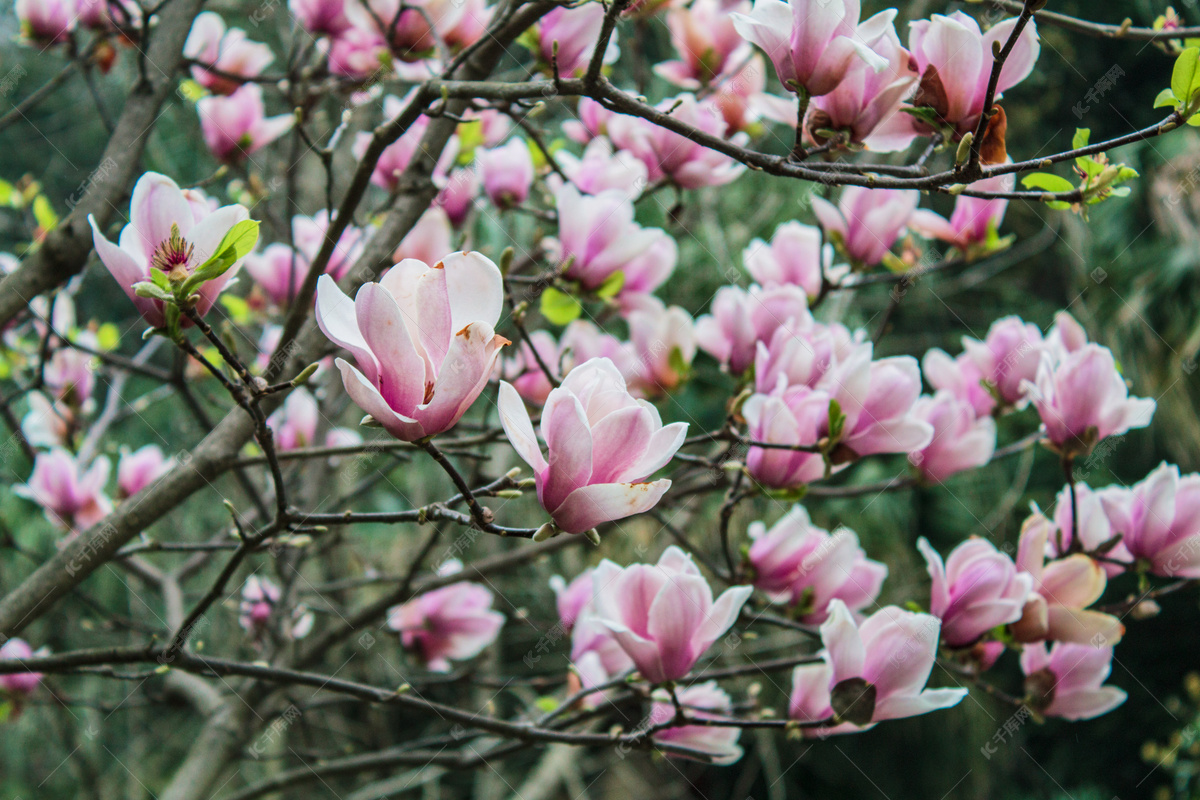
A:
(1159, 520)
(974, 221)
(260, 595)
(663, 345)
(954, 59)
(804, 566)
(71, 494)
(575, 31)
(1057, 608)
(71, 374)
(429, 238)
(1066, 681)
(813, 43)
(1083, 400)
(423, 339)
(741, 318)
(524, 372)
(879, 670)
(227, 50)
(471, 25)
(46, 22)
(572, 599)
(670, 156)
(279, 271)
(803, 356)
(320, 16)
(1065, 337)
(603, 445)
(138, 469)
(866, 222)
(977, 588)
(663, 615)
(707, 42)
(596, 656)
(18, 684)
(959, 376)
(1094, 529)
(506, 173)
(457, 197)
(592, 122)
(455, 622)
(961, 441)
(601, 170)
(295, 424)
(237, 126)
(1007, 358)
(309, 235)
(795, 255)
(866, 102)
(700, 701)
(358, 52)
(397, 155)
(599, 237)
(738, 95)
(170, 233)
(415, 28)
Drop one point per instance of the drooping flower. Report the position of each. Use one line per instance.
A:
(228, 51)
(663, 615)
(423, 339)
(260, 595)
(1066, 681)
(974, 221)
(138, 469)
(961, 441)
(804, 566)
(707, 41)
(813, 43)
(506, 173)
(1083, 400)
(699, 701)
(871, 672)
(603, 445)
(236, 126)
(741, 318)
(574, 32)
(71, 494)
(976, 589)
(795, 255)
(671, 156)
(866, 222)
(167, 232)
(455, 622)
(1159, 520)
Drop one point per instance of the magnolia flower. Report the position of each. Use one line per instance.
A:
(414, 28)
(228, 51)
(663, 615)
(575, 32)
(705, 37)
(429, 238)
(358, 53)
(600, 170)
(866, 101)
(806, 356)
(573, 599)
(664, 344)
(260, 595)
(596, 656)
(813, 43)
(524, 372)
(471, 26)
(70, 373)
(1086, 516)
(138, 469)
(960, 377)
(794, 416)
(45, 22)
(279, 271)
(954, 59)
(670, 156)
(741, 318)
(1062, 591)
(975, 219)
(396, 156)
(1007, 359)
(866, 222)
(700, 701)
(320, 16)
(870, 673)
(295, 424)
(1159, 521)
(1066, 681)
(1083, 400)
(18, 684)
(455, 622)
(598, 237)
(308, 233)
(804, 566)
(167, 232)
(603, 444)
(977, 588)
(960, 441)
(423, 340)
(592, 122)
(795, 255)
(72, 495)
(506, 173)
(236, 126)
(1065, 337)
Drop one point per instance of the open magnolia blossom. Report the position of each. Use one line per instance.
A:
(866, 222)
(455, 623)
(1066, 680)
(663, 615)
(1159, 521)
(72, 494)
(173, 231)
(703, 701)
(976, 589)
(603, 445)
(422, 338)
(869, 673)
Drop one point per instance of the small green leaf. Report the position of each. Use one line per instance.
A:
(149, 290)
(1185, 77)
(237, 308)
(547, 704)
(43, 212)
(236, 244)
(1081, 138)
(108, 336)
(559, 308)
(8, 195)
(1166, 98)
(1047, 182)
(837, 421)
(611, 286)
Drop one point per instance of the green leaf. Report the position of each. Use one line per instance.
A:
(1166, 98)
(559, 308)
(108, 336)
(149, 290)
(1194, 120)
(8, 195)
(1081, 138)
(1047, 182)
(236, 244)
(611, 286)
(43, 212)
(237, 308)
(837, 421)
(1185, 77)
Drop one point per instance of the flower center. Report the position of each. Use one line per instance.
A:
(173, 256)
